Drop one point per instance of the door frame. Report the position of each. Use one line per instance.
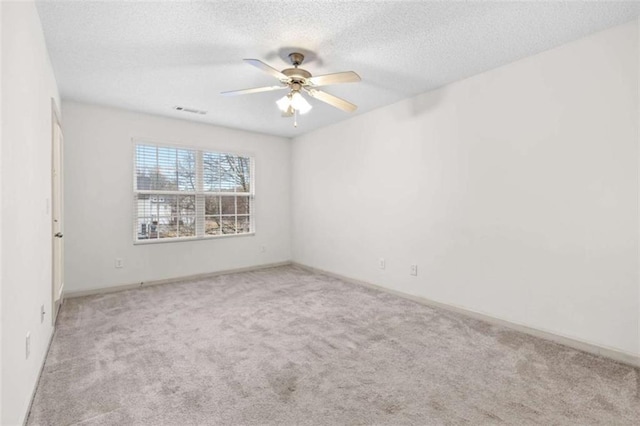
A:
(56, 199)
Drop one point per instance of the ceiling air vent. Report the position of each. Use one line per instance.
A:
(191, 110)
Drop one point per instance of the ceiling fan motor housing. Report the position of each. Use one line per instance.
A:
(297, 75)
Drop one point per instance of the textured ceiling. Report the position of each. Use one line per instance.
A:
(152, 56)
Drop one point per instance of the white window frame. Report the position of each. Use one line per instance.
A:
(199, 193)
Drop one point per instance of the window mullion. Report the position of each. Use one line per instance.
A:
(200, 222)
(252, 192)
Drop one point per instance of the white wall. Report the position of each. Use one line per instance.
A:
(99, 200)
(638, 117)
(1, 206)
(514, 191)
(28, 85)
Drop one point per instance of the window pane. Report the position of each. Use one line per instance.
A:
(165, 169)
(165, 216)
(186, 216)
(243, 225)
(228, 224)
(187, 205)
(144, 228)
(153, 210)
(186, 170)
(228, 205)
(166, 177)
(167, 228)
(243, 204)
(234, 173)
(226, 172)
(211, 175)
(212, 225)
(186, 226)
(244, 167)
(145, 164)
(211, 205)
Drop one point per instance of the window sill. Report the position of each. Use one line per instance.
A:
(185, 239)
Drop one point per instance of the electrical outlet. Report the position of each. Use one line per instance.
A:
(27, 346)
(381, 263)
(119, 263)
(414, 270)
(42, 312)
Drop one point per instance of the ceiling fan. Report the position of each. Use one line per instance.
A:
(299, 80)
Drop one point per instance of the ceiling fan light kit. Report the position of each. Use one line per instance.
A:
(299, 80)
(292, 104)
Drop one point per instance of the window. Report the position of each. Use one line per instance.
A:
(182, 193)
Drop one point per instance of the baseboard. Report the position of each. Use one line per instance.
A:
(595, 349)
(104, 290)
(35, 387)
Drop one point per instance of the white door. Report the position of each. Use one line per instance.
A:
(57, 216)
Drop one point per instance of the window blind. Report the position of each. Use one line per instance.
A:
(187, 193)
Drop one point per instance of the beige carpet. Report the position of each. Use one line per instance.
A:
(283, 346)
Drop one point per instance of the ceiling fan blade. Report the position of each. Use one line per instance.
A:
(266, 68)
(339, 77)
(332, 100)
(254, 90)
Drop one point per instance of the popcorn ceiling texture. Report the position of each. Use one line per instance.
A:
(284, 346)
(152, 56)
